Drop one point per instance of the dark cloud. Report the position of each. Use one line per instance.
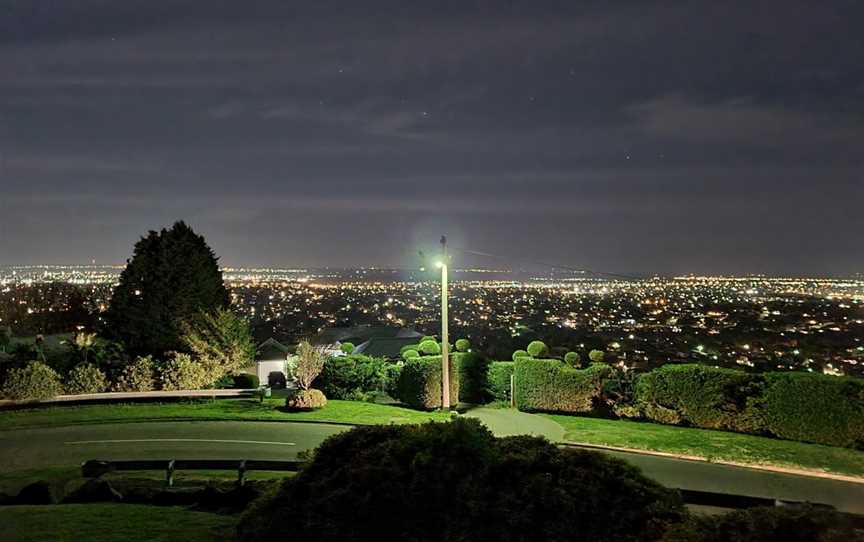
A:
(624, 136)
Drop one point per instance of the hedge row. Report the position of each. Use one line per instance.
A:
(357, 376)
(552, 385)
(498, 379)
(798, 406)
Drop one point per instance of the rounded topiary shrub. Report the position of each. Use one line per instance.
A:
(572, 358)
(463, 345)
(306, 400)
(456, 481)
(410, 354)
(519, 354)
(596, 356)
(537, 349)
(86, 378)
(34, 381)
(429, 348)
(347, 348)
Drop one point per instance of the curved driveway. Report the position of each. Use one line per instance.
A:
(69, 446)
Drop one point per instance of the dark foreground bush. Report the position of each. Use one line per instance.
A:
(456, 482)
(553, 386)
(766, 525)
(419, 384)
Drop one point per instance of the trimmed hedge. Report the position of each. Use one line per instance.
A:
(815, 408)
(498, 379)
(472, 369)
(350, 377)
(419, 383)
(553, 386)
(701, 396)
(244, 381)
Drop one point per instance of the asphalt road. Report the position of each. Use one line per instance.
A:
(69, 446)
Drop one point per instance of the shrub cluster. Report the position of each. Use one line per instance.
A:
(86, 378)
(419, 383)
(356, 376)
(455, 481)
(245, 381)
(552, 385)
(33, 381)
(136, 376)
(306, 400)
(181, 372)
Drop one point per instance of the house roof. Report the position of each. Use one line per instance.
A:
(385, 347)
(361, 334)
(271, 349)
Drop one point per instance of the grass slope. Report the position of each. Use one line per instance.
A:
(712, 445)
(111, 522)
(352, 412)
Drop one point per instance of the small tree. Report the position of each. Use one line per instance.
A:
(310, 363)
(82, 344)
(596, 356)
(537, 349)
(221, 341)
(347, 348)
(463, 345)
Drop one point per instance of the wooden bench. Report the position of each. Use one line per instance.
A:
(95, 468)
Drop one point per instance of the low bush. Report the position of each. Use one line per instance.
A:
(419, 384)
(463, 345)
(473, 385)
(409, 354)
(815, 408)
(86, 378)
(537, 349)
(306, 400)
(347, 348)
(33, 381)
(498, 378)
(596, 356)
(702, 396)
(553, 386)
(136, 376)
(245, 381)
(572, 359)
(348, 377)
(181, 372)
(455, 481)
(765, 525)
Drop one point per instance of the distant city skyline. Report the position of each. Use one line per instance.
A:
(625, 137)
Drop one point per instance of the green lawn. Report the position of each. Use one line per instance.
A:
(352, 412)
(712, 445)
(111, 522)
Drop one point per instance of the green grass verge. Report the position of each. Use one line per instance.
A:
(111, 522)
(712, 445)
(351, 412)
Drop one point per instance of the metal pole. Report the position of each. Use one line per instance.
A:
(445, 339)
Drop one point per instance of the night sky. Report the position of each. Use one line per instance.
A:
(670, 137)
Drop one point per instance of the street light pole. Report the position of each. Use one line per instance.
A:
(445, 339)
